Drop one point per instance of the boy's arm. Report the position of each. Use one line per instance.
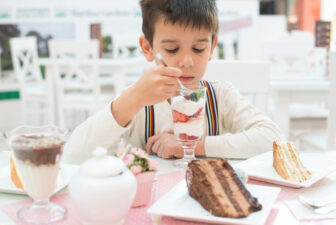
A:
(125, 107)
(100, 129)
(155, 85)
(248, 131)
(105, 127)
(199, 150)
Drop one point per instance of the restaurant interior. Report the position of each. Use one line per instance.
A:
(279, 54)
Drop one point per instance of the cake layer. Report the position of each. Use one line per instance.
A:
(14, 175)
(214, 184)
(287, 163)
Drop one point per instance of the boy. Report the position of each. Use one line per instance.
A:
(184, 32)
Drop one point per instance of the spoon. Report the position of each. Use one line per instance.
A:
(325, 209)
(161, 60)
(310, 202)
(318, 207)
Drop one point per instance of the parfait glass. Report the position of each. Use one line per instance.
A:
(36, 152)
(188, 106)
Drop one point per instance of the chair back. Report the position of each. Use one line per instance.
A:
(75, 65)
(25, 61)
(252, 78)
(331, 121)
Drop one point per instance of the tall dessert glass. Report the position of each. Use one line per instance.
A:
(36, 152)
(188, 106)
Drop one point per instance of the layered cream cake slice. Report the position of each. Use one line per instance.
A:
(287, 163)
(215, 185)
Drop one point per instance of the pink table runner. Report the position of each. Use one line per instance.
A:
(138, 216)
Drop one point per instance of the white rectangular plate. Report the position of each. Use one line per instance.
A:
(261, 168)
(177, 203)
(64, 175)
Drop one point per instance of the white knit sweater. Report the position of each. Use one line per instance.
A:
(244, 130)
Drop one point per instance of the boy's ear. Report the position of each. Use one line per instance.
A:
(213, 47)
(146, 48)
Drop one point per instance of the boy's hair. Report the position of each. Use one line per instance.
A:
(197, 13)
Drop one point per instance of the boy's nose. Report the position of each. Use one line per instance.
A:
(186, 61)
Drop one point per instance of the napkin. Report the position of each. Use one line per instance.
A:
(302, 212)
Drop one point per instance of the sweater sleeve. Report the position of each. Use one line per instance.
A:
(246, 131)
(101, 129)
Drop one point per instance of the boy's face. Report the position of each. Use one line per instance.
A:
(186, 48)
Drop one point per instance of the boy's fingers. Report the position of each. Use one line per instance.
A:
(156, 146)
(150, 142)
(169, 71)
(170, 80)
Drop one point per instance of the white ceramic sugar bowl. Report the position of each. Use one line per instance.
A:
(103, 189)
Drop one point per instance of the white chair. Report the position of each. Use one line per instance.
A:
(36, 93)
(250, 77)
(325, 139)
(78, 88)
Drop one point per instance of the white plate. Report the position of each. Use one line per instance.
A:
(64, 175)
(261, 168)
(177, 203)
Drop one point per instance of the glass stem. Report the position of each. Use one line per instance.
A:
(41, 203)
(189, 153)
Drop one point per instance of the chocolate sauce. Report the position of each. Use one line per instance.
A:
(37, 149)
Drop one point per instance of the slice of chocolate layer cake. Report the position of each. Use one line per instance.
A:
(215, 185)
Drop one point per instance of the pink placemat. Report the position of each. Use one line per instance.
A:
(138, 216)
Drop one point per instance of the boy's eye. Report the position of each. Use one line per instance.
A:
(198, 50)
(172, 50)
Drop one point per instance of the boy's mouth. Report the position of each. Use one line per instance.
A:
(186, 78)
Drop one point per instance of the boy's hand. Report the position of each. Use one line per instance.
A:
(157, 84)
(165, 146)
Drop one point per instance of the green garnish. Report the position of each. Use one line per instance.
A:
(195, 96)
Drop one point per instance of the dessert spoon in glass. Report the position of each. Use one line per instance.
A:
(183, 89)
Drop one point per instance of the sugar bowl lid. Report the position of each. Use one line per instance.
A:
(102, 165)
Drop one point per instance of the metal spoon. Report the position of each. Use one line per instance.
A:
(161, 60)
(310, 202)
(318, 207)
(325, 209)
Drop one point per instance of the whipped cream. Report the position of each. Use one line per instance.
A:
(38, 181)
(187, 107)
(191, 128)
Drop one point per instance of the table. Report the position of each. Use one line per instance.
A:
(282, 215)
(287, 92)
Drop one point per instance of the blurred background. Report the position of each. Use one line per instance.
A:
(294, 37)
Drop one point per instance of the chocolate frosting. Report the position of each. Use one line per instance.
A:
(215, 185)
(37, 149)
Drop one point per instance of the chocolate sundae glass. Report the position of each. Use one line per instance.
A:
(37, 152)
(188, 108)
